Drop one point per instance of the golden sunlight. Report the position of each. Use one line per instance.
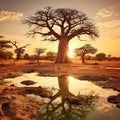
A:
(71, 53)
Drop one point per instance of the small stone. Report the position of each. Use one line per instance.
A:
(28, 82)
(75, 100)
(118, 105)
(12, 85)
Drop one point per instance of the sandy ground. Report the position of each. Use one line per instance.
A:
(93, 70)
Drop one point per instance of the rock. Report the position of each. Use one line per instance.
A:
(95, 77)
(43, 92)
(75, 100)
(14, 105)
(28, 82)
(115, 100)
(118, 105)
(12, 85)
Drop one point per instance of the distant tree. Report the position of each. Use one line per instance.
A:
(109, 57)
(50, 55)
(4, 44)
(33, 57)
(100, 56)
(62, 24)
(19, 50)
(26, 56)
(9, 55)
(39, 51)
(86, 49)
(115, 58)
(6, 54)
(88, 57)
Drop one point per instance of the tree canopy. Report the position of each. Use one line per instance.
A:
(4, 44)
(100, 56)
(86, 49)
(62, 24)
(19, 50)
(39, 51)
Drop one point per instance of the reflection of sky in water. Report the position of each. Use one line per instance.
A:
(85, 87)
(113, 68)
(40, 81)
(103, 109)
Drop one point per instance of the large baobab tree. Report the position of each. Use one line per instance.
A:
(62, 24)
(19, 50)
(86, 49)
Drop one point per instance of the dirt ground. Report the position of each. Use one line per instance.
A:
(94, 71)
(91, 67)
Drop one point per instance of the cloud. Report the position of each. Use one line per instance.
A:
(109, 24)
(104, 13)
(111, 11)
(108, 19)
(116, 34)
(9, 15)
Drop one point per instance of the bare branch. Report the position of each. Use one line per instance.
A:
(51, 38)
(80, 38)
(25, 46)
(14, 43)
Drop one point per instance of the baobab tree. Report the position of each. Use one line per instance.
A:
(62, 24)
(86, 49)
(19, 50)
(39, 51)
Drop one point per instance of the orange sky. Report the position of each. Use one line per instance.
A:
(105, 13)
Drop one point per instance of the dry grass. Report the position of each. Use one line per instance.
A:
(49, 68)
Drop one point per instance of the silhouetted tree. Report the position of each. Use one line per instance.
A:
(62, 24)
(26, 56)
(100, 56)
(6, 54)
(39, 51)
(86, 49)
(109, 57)
(4, 44)
(50, 55)
(115, 58)
(19, 50)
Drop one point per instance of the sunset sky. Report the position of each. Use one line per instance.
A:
(105, 13)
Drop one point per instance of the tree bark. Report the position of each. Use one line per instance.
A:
(18, 55)
(62, 55)
(83, 58)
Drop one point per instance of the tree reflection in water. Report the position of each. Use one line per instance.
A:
(58, 108)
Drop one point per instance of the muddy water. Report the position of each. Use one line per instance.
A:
(57, 108)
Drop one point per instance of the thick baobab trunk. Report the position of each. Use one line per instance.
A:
(62, 55)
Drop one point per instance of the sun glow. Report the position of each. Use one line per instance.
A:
(71, 53)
